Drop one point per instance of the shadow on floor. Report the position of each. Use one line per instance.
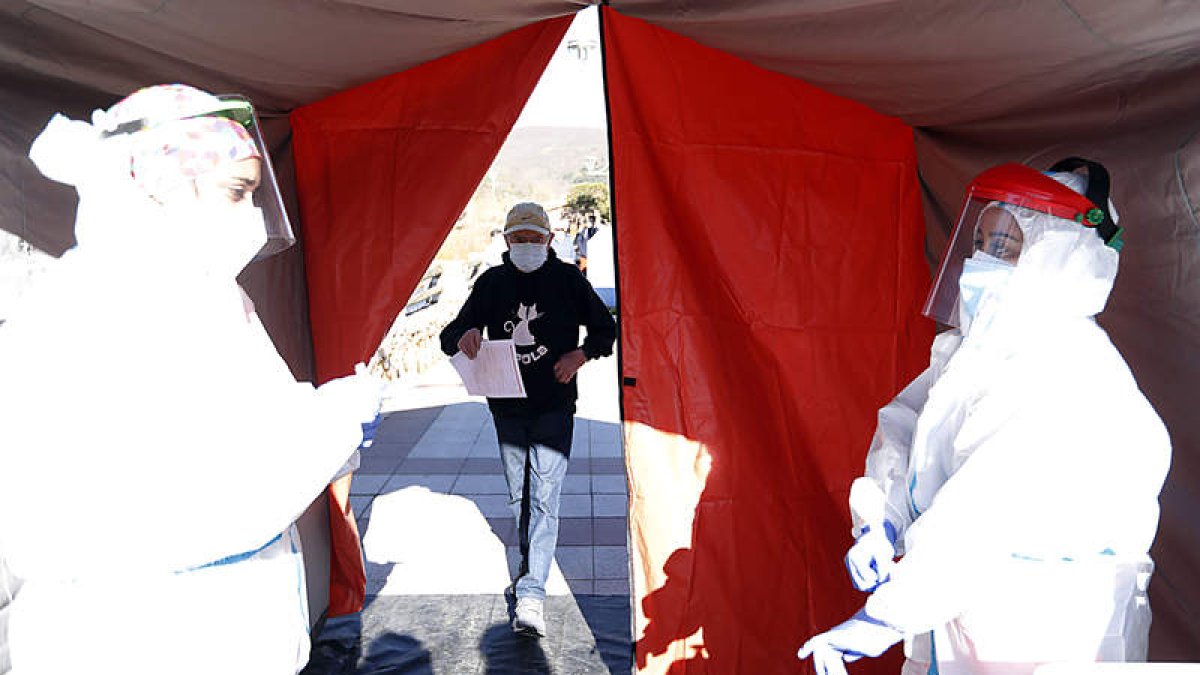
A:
(426, 634)
(506, 652)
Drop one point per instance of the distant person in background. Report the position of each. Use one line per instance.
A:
(585, 233)
(539, 302)
(563, 244)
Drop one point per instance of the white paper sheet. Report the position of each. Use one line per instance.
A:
(493, 372)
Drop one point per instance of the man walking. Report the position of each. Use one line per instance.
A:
(539, 302)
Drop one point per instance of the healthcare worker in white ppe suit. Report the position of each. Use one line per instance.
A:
(155, 448)
(1018, 477)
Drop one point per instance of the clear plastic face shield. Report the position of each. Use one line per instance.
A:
(987, 229)
(989, 232)
(266, 195)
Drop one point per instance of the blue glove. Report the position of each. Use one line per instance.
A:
(857, 637)
(368, 431)
(871, 558)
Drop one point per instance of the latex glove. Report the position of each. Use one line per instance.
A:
(469, 343)
(358, 396)
(871, 558)
(368, 431)
(849, 641)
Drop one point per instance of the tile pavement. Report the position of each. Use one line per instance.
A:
(452, 449)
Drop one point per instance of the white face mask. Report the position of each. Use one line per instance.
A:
(223, 239)
(527, 257)
(982, 275)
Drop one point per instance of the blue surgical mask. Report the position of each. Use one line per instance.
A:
(982, 275)
(527, 257)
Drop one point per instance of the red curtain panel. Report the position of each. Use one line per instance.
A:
(771, 266)
(383, 171)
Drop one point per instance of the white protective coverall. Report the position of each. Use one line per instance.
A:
(1022, 471)
(155, 449)
(8, 590)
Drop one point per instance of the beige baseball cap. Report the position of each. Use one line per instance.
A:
(527, 216)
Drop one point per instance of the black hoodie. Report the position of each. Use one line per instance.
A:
(541, 311)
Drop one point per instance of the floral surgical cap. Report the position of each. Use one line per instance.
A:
(182, 139)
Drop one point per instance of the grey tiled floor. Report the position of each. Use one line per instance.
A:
(423, 635)
(452, 449)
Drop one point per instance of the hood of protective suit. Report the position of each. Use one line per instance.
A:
(1065, 272)
(118, 219)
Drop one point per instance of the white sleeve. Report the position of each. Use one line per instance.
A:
(8, 590)
(888, 456)
(174, 433)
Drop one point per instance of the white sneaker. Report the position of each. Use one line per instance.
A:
(528, 619)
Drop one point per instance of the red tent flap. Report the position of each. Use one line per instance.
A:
(385, 169)
(772, 273)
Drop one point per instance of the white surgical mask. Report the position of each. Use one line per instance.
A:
(224, 239)
(527, 257)
(982, 275)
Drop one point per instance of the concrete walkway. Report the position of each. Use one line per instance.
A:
(436, 436)
(440, 544)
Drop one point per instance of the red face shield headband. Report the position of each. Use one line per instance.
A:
(1020, 185)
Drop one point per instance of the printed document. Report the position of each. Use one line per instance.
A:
(493, 372)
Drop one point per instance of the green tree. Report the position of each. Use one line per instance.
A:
(587, 201)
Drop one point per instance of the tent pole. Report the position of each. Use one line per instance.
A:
(612, 206)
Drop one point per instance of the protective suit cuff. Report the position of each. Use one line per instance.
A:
(863, 615)
(889, 531)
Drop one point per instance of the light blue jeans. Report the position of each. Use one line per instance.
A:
(535, 451)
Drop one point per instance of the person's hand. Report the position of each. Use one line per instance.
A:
(859, 636)
(568, 364)
(469, 343)
(871, 558)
